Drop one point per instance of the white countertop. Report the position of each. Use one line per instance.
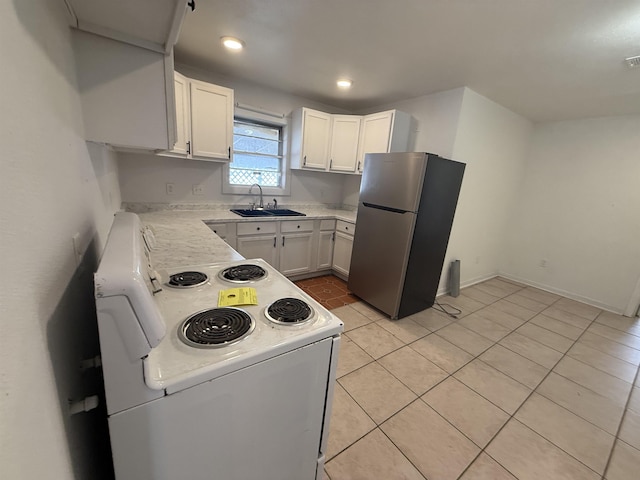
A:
(183, 239)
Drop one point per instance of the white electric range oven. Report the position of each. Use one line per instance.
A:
(197, 391)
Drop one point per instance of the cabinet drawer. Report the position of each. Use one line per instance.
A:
(252, 228)
(327, 225)
(345, 227)
(295, 226)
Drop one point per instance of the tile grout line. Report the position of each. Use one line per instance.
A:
(450, 375)
(418, 397)
(624, 414)
(494, 342)
(542, 436)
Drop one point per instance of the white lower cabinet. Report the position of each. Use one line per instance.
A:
(342, 247)
(258, 240)
(260, 246)
(326, 236)
(285, 245)
(296, 247)
(295, 253)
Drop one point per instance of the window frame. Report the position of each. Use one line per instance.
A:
(285, 189)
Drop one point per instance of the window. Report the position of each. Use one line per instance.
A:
(257, 154)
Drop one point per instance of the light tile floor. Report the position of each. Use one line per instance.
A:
(524, 385)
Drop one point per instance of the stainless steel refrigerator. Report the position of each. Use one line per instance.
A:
(405, 212)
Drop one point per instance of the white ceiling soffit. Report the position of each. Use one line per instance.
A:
(544, 59)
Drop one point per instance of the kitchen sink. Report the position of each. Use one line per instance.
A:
(245, 212)
(285, 212)
(277, 212)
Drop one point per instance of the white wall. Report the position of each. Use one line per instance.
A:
(143, 179)
(579, 209)
(434, 121)
(493, 142)
(53, 185)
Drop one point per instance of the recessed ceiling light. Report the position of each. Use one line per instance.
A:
(232, 43)
(344, 83)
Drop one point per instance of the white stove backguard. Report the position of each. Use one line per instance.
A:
(125, 270)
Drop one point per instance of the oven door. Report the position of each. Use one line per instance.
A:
(264, 421)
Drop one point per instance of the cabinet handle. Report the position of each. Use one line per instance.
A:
(192, 4)
(298, 226)
(274, 242)
(189, 148)
(304, 160)
(330, 163)
(283, 241)
(346, 228)
(359, 165)
(229, 153)
(257, 228)
(333, 237)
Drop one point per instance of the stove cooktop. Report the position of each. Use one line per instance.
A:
(285, 318)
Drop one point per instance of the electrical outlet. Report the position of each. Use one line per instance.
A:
(170, 187)
(543, 263)
(197, 189)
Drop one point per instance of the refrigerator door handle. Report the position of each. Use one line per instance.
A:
(381, 207)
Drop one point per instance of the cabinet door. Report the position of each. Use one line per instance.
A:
(376, 133)
(345, 131)
(181, 88)
(264, 247)
(211, 120)
(295, 253)
(342, 253)
(325, 250)
(316, 134)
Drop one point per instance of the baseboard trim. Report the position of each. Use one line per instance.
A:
(564, 293)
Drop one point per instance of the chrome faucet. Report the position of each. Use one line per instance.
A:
(261, 204)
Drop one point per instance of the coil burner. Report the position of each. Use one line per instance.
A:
(187, 279)
(289, 311)
(217, 327)
(244, 273)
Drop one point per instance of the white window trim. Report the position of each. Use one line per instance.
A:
(285, 190)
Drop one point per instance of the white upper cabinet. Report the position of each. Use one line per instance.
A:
(382, 133)
(124, 61)
(183, 122)
(345, 131)
(310, 136)
(204, 117)
(126, 93)
(211, 120)
(337, 143)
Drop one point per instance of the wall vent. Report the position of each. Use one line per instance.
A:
(632, 61)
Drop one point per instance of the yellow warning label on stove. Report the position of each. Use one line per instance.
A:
(237, 296)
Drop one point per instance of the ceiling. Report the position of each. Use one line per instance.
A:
(544, 59)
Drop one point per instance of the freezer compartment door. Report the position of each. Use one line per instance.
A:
(393, 180)
(379, 260)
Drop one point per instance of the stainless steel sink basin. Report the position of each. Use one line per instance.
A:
(279, 212)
